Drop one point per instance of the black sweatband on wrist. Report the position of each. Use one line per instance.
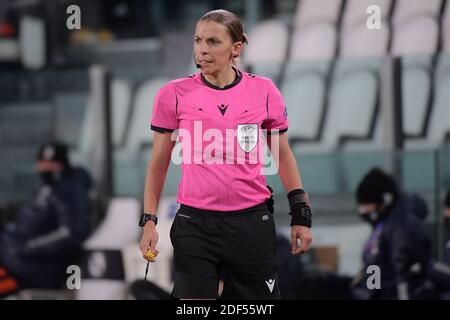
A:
(300, 206)
(298, 196)
(302, 218)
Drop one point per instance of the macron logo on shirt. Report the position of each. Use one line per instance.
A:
(270, 284)
(222, 109)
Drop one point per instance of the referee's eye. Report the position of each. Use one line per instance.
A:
(213, 42)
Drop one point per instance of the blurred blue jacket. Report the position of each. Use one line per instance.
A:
(401, 248)
(46, 233)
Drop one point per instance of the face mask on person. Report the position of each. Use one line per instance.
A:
(372, 217)
(374, 213)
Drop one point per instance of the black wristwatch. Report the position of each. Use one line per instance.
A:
(147, 217)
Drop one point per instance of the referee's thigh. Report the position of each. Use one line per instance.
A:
(250, 257)
(196, 243)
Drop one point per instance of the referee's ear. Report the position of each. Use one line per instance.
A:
(237, 49)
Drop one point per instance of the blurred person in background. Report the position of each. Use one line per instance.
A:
(440, 271)
(225, 219)
(46, 233)
(398, 244)
(447, 226)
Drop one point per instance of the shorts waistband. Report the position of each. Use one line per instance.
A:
(211, 213)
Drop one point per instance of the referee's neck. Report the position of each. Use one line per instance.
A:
(222, 79)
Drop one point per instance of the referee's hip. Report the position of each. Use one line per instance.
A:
(213, 213)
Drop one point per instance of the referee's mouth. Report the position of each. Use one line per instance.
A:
(204, 62)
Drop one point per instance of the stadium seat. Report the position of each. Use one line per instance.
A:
(103, 276)
(362, 42)
(120, 113)
(446, 29)
(304, 91)
(405, 37)
(120, 110)
(366, 47)
(419, 157)
(356, 39)
(315, 32)
(139, 132)
(413, 20)
(305, 83)
(416, 93)
(314, 42)
(118, 227)
(310, 11)
(409, 9)
(438, 126)
(356, 11)
(81, 154)
(129, 169)
(353, 95)
(267, 48)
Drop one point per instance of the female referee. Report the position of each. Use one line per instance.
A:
(224, 225)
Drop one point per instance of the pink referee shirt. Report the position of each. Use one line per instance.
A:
(221, 136)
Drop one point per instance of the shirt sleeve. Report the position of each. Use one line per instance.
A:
(277, 121)
(164, 115)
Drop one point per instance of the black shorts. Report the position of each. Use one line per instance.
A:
(239, 246)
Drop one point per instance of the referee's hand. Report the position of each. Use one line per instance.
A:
(148, 241)
(304, 235)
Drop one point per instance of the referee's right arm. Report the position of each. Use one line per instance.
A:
(157, 170)
(154, 183)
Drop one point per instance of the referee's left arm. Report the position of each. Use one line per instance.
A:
(290, 177)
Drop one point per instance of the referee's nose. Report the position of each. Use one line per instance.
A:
(203, 49)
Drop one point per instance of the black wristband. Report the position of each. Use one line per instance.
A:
(301, 213)
(147, 217)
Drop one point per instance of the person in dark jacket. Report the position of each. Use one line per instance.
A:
(439, 273)
(398, 244)
(447, 227)
(46, 233)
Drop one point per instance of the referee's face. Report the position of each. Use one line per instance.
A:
(213, 47)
